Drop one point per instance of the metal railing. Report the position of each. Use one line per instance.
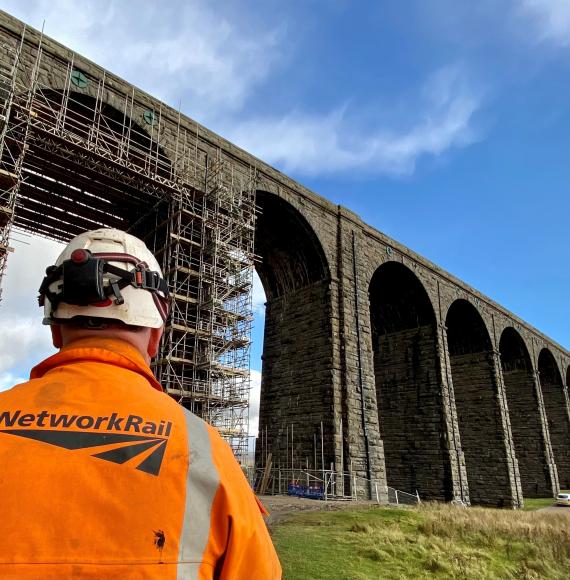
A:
(327, 485)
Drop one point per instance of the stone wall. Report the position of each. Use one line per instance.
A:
(410, 412)
(296, 380)
(527, 433)
(556, 405)
(526, 428)
(524, 402)
(480, 428)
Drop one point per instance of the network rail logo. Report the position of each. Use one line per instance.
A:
(126, 437)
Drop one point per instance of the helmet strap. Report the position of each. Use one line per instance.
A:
(83, 281)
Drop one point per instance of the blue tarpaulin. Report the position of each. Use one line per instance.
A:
(310, 491)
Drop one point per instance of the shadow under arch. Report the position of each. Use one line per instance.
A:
(556, 408)
(524, 413)
(296, 384)
(68, 188)
(291, 255)
(478, 411)
(408, 383)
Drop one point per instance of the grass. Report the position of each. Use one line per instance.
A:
(538, 503)
(435, 541)
(534, 504)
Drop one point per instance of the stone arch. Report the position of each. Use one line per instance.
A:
(408, 385)
(292, 256)
(296, 387)
(524, 413)
(81, 196)
(479, 415)
(556, 408)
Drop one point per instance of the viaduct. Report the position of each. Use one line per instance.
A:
(419, 381)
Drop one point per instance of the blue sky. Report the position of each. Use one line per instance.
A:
(443, 123)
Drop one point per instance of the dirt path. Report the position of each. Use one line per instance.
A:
(279, 506)
(559, 509)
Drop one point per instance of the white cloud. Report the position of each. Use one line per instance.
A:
(258, 298)
(329, 143)
(254, 396)
(214, 58)
(24, 341)
(550, 18)
(199, 52)
(9, 380)
(24, 274)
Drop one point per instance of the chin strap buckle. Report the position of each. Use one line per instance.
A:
(147, 280)
(116, 292)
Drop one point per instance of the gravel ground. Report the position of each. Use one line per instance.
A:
(280, 506)
(559, 509)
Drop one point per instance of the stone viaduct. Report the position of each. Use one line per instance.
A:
(419, 381)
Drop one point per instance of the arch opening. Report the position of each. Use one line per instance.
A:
(524, 413)
(291, 257)
(408, 385)
(297, 374)
(556, 407)
(478, 412)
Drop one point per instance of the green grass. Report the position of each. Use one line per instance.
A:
(541, 502)
(537, 503)
(433, 542)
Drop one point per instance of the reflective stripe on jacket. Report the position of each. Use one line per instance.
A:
(105, 476)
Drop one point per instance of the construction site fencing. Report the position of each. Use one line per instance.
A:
(399, 497)
(325, 485)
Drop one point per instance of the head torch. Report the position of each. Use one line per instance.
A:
(82, 280)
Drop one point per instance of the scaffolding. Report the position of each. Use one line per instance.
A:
(13, 138)
(207, 250)
(72, 161)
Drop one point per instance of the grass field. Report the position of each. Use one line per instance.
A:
(535, 504)
(435, 541)
(541, 502)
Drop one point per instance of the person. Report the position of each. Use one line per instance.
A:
(103, 474)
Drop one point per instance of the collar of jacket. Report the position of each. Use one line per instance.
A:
(106, 350)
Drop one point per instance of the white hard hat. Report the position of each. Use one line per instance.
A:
(109, 274)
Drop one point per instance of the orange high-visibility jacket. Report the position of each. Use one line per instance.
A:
(102, 475)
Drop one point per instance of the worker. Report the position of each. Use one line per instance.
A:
(103, 475)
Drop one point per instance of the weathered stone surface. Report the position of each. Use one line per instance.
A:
(556, 404)
(525, 416)
(480, 428)
(410, 411)
(297, 392)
